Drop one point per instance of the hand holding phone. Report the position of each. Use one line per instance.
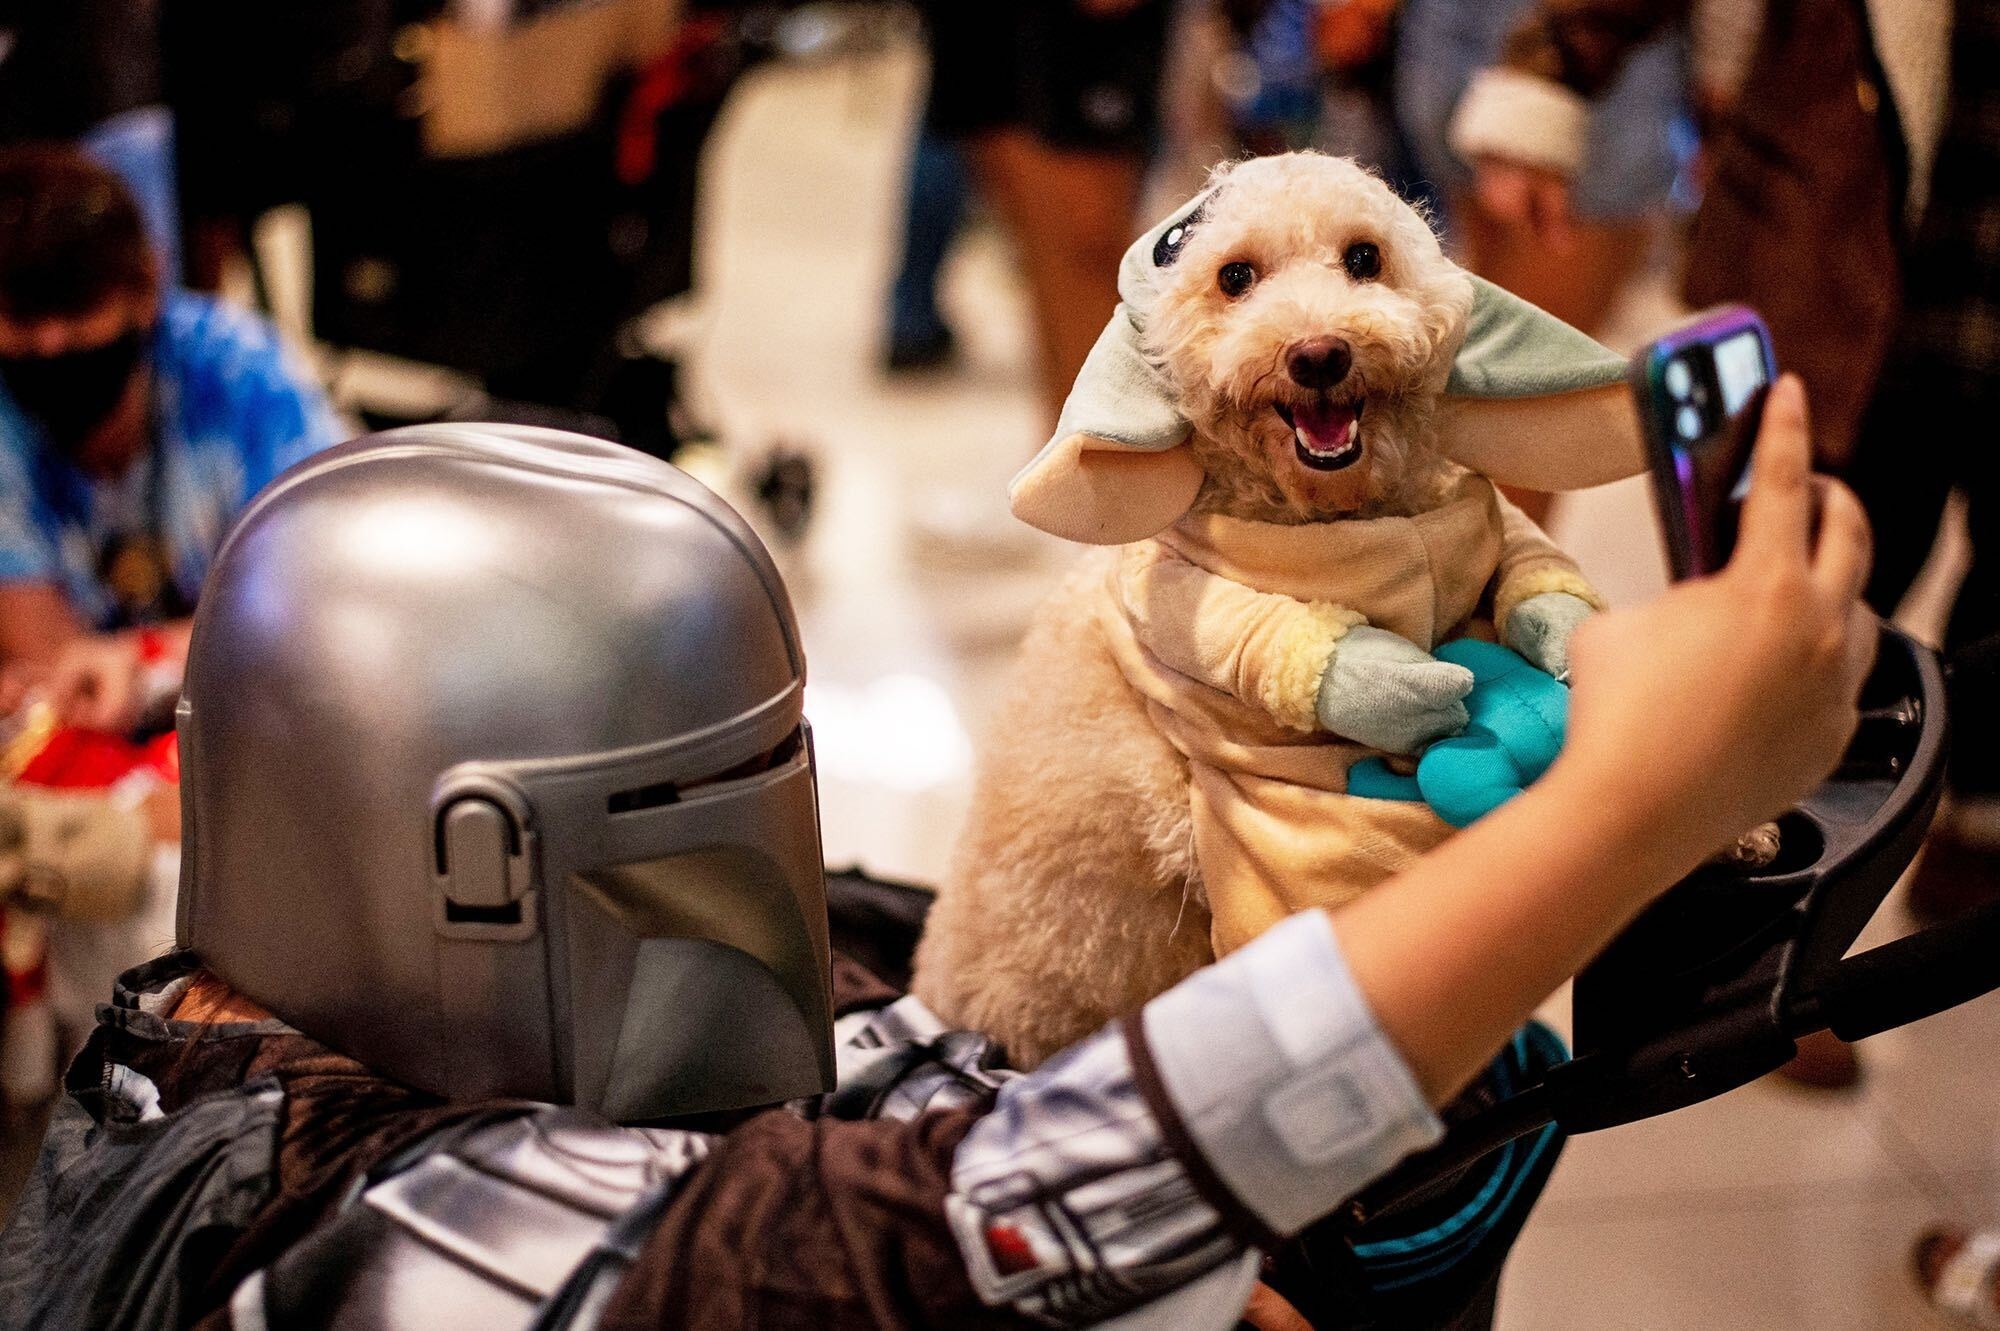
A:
(1700, 392)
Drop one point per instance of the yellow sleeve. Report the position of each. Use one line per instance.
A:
(1267, 650)
(1530, 564)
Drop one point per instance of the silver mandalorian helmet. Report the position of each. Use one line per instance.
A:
(496, 777)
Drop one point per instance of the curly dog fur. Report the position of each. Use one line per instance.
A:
(1074, 895)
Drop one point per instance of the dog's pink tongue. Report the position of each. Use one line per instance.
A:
(1327, 427)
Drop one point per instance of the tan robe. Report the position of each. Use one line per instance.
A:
(1225, 627)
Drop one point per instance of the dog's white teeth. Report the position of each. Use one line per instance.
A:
(1318, 449)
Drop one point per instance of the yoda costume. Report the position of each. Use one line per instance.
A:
(1234, 632)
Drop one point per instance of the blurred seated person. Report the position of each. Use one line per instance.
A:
(135, 422)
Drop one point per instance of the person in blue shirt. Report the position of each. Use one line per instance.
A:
(135, 423)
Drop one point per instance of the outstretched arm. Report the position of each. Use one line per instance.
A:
(1754, 672)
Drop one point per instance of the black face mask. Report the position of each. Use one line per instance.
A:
(70, 394)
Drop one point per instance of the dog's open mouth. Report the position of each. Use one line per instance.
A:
(1326, 435)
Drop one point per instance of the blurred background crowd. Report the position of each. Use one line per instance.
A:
(843, 261)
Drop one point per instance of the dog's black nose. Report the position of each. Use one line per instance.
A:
(1320, 363)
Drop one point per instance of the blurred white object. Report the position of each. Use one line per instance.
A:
(901, 732)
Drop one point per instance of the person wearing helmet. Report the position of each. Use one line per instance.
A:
(503, 930)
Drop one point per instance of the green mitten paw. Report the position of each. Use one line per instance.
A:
(1540, 629)
(1390, 694)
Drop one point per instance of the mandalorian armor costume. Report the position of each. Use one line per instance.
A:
(501, 848)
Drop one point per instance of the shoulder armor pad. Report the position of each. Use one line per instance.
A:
(523, 1223)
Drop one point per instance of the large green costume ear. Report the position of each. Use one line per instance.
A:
(1533, 402)
(1116, 470)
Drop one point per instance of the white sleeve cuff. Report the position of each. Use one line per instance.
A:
(1521, 118)
(1281, 1078)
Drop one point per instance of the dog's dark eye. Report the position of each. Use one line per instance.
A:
(1235, 278)
(1363, 261)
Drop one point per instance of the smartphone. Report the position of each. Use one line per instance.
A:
(1700, 392)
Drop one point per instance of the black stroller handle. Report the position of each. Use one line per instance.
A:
(1940, 967)
(1911, 978)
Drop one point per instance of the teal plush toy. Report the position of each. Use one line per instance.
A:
(1518, 716)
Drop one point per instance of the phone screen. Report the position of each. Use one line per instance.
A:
(1705, 389)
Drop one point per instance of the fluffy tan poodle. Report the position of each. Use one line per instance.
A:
(1285, 440)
